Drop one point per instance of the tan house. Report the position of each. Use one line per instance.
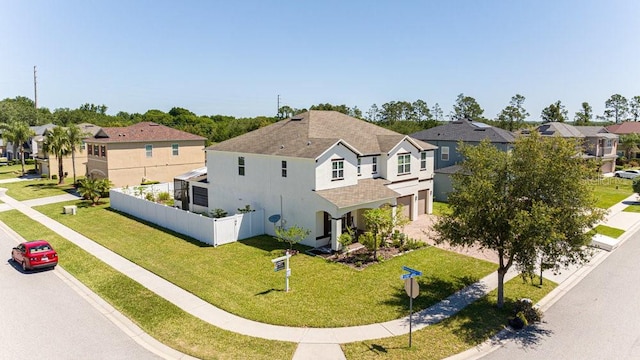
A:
(47, 164)
(141, 152)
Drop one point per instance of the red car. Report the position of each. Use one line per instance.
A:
(34, 255)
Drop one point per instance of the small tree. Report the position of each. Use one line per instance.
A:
(93, 189)
(291, 235)
(381, 222)
(218, 213)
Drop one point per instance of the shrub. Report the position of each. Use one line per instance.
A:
(412, 244)
(54, 177)
(149, 182)
(149, 196)
(633, 163)
(526, 308)
(164, 196)
(246, 209)
(218, 213)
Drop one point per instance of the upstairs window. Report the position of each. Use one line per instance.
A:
(96, 150)
(374, 165)
(103, 150)
(149, 150)
(444, 153)
(359, 163)
(175, 150)
(284, 169)
(90, 149)
(404, 164)
(423, 160)
(241, 165)
(337, 169)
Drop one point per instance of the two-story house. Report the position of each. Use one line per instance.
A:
(320, 170)
(145, 151)
(447, 138)
(596, 142)
(622, 129)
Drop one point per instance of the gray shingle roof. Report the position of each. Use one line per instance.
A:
(366, 191)
(595, 131)
(559, 129)
(142, 131)
(309, 134)
(465, 131)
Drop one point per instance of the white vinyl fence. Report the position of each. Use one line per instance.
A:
(202, 228)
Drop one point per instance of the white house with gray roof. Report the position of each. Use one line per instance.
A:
(320, 170)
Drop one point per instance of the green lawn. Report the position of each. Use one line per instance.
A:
(635, 208)
(470, 327)
(13, 171)
(156, 316)
(610, 191)
(239, 277)
(37, 188)
(440, 208)
(609, 231)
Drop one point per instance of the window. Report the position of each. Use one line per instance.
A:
(90, 149)
(359, 163)
(149, 149)
(174, 150)
(404, 164)
(444, 153)
(609, 143)
(337, 169)
(83, 145)
(103, 151)
(374, 165)
(284, 169)
(423, 160)
(200, 196)
(241, 165)
(96, 150)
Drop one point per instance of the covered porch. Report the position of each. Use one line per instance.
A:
(346, 206)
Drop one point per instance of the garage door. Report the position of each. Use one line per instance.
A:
(405, 201)
(422, 201)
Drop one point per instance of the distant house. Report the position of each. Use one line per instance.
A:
(625, 128)
(320, 170)
(447, 137)
(145, 151)
(597, 143)
(47, 164)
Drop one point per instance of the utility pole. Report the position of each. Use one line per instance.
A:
(278, 111)
(35, 88)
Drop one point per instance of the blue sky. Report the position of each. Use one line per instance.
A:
(236, 57)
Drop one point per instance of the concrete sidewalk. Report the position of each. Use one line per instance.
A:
(316, 343)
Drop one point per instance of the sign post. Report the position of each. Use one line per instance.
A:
(413, 289)
(282, 263)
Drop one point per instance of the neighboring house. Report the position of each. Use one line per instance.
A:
(447, 137)
(145, 151)
(30, 146)
(625, 128)
(597, 143)
(319, 170)
(47, 164)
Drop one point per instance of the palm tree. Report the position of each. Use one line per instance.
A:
(17, 133)
(93, 189)
(75, 137)
(630, 144)
(56, 142)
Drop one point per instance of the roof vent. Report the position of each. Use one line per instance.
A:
(297, 118)
(281, 146)
(308, 143)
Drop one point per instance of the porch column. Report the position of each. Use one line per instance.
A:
(336, 231)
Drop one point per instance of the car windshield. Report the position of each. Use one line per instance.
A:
(39, 249)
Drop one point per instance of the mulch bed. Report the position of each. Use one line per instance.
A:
(361, 258)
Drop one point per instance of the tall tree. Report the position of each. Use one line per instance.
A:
(522, 203)
(634, 108)
(422, 111)
(512, 117)
(17, 133)
(56, 141)
(630, 143)
(373, 114)
(554, 113)
(438, 114)
(466, 108)
(616, 108)
(584, 115)
(75, 138)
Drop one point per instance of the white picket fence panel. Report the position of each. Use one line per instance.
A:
(202, 228)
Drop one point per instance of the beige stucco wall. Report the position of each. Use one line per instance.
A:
(128, 164)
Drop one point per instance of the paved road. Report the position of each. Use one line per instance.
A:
(43, 317)
(598, 319)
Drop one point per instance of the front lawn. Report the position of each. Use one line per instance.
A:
(37, 188)
(470, 327)
(610, 191)
(239, 277)
(13, 171)
(608, 231)
(156, 316)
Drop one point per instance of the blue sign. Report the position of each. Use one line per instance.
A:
(411, 273)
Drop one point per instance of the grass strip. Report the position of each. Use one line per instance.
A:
(609, 231)
(468, 328)
(159, 318)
